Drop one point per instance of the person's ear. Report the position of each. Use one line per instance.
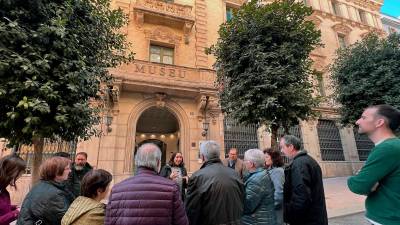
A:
(380, 122)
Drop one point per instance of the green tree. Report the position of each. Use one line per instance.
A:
(263, 65)
(367, 73)
(54, 54)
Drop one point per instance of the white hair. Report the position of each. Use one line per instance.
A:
(148, 155)
(210, 150)
(255, 156)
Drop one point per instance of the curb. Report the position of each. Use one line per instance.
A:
(350, 214)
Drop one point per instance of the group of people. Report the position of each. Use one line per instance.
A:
(67, 192)
(257, 190)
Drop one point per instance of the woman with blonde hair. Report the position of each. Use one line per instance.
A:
(87, 209)
(49, 199)
(11, 168)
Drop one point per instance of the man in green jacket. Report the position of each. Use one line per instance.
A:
(379, 178)
(78, 169)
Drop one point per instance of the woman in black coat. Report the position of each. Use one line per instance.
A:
(49, 199)
(175, 170)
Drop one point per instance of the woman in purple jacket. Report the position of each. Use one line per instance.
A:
(11, 168)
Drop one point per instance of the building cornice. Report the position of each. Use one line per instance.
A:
(347, 22)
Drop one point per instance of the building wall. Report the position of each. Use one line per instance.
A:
(390, 24)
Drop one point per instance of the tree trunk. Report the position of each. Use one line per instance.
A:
(274, 137)
(38, 144)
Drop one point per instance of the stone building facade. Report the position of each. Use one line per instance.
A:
(390, 24)
(167, 95)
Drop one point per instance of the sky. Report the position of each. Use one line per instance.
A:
(391, 8)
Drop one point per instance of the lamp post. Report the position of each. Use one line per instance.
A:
(206, 125)
(108, 121)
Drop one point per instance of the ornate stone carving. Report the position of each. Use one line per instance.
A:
(315, 19)
(186, 31)
(160, 99)
(341, 28)
(139, 16)
(166, 7)
(209, 106)
(162, 34)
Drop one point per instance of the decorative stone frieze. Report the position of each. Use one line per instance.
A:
(171, 14)
(162, 34)
(341, 28)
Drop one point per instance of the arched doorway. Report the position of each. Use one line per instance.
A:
(159, 126)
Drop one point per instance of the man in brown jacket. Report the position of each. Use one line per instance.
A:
(234, 162)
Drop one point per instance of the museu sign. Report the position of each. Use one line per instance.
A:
(160, 70)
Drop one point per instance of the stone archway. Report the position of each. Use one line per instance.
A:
(159, 126)
(175, 109)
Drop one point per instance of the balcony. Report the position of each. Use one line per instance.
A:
(148, 77)
(165, 13)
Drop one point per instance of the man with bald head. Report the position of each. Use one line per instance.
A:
(234, 162)
(146, 198)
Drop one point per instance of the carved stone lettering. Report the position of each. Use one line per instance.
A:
(153, 69)
(139, 68)
(172, 72)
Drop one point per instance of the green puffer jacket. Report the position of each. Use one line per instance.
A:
(259, 203)
(84, 211)
(45, 204)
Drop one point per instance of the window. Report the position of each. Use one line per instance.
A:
(330, 141)
(342, 40)
(336, 8)
(363, 16)
(229, 13)
(320, 80)
(242, 137)
(161, 54)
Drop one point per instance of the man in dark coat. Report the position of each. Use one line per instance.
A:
(146, 198)
(304, 198)
(215, 193)
(78, 169)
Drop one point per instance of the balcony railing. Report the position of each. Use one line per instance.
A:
(165, 8)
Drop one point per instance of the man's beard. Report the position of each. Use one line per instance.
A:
(78, 167)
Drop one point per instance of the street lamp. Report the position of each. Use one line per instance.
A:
(108, 121)
(205, 128)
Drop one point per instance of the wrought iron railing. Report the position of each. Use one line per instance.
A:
(239, 136)
(294, 130)
(329, 141)
(49, 149)
(364, 145)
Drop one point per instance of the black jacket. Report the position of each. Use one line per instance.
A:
(75, 178)
(166, 172)
(304, 198)
(47, 202)
(215, 195)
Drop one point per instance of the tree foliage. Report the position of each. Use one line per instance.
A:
(54, 54)
(367, 73)
(263, 64)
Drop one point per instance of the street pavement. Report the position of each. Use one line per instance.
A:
(340, 200)
(352, 219)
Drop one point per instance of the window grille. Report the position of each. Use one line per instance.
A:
(239, 136)
(364, 145)
(49, 149)
(294, 130)
(329, 141)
